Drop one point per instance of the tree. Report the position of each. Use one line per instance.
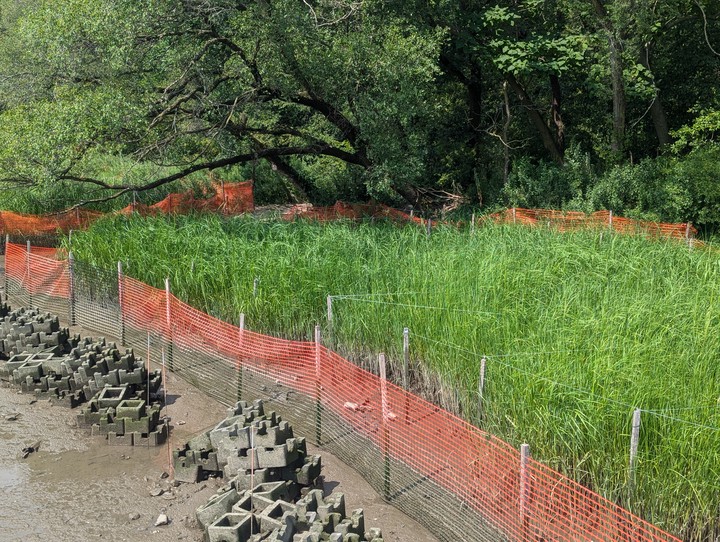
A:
(202, 85)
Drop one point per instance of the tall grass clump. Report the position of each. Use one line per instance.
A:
(579, 329)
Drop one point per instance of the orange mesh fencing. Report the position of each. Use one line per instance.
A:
(574, 220)
(432, 449)
(225, 198)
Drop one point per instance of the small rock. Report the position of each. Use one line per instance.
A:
(175, 483)
(133, 517)
(162, 519)
(169, 497)
(181, 422)
(11, 417)
(164, 475)
(157, 492)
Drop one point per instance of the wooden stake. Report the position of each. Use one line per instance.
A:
(524, 486)
(406, 356)
(318, 404)
(634, 440)
(481, 387)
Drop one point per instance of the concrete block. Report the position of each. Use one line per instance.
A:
(109, 425)
(355, 524)
(131, 408)
(273, 516)
(115, 439)
(219, 504)
(232, 528)
(154, 438)
(113, 396)
(30, 368)
(273, 491)
(250, 502)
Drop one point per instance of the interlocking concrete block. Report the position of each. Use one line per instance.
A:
(283, 490)
(307, 475)
(13, 363)
(154, 438)
(112, 425)
(113, 396)
(355, 524)
(247, 479)
(251, 502)
(200, 442)
(219, 504)
(131, 408)
(274, 516)
(233, 528)
(30, 368)
(116, 439)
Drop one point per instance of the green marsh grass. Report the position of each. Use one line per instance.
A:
(578, 329)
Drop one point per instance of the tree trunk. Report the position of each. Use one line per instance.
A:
(657, 112)
(618, 92)
(547, 138)
(556, 112)
(616, 75)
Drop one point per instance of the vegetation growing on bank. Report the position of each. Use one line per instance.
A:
(578, 329)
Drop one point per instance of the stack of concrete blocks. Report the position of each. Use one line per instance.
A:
(123, 418)
(100, 364)
(248, 446)
(269, 513)
(271, 494)
(72, 378)
(31, 331)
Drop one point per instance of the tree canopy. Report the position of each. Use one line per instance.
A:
(532, 102)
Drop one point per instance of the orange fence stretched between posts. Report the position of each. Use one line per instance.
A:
(229, 199)
(573, 220)
(461, 482)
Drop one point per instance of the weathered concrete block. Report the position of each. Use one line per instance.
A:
(115, 439)
(109, 425)
(131, 408)
(30, 368)
(274, 516)
(113, 396)
(233, 528)
(218, 505)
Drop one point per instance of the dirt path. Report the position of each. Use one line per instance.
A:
(76, 487)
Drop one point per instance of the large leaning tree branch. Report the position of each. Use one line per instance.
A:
(267, 153)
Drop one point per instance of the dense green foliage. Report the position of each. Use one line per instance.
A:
(579, 329)
(563, 103)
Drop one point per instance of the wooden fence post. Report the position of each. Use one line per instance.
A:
(27, 273)
(7, 243)
(688, 235)
(481, 388)
(634, 440)
(71, 288)
(524, 488)
(318, 404)
(121, 300)
(241, 340)
(385, 429)
(168, 322)
(406, 357)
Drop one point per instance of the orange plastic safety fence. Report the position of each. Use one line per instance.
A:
(229, 199)
(573, 220)
(428, 444)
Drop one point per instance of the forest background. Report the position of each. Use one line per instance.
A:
(444, 104)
